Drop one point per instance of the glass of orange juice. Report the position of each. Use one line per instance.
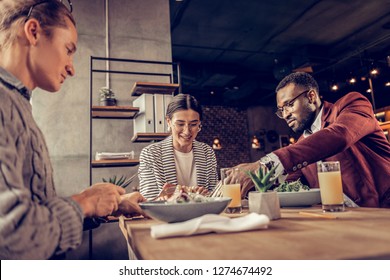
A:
(231, 189)
(331, 188)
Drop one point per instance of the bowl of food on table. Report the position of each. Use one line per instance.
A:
(296, 194)
(184, 204)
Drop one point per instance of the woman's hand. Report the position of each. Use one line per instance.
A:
(201, 190)
(167, 191)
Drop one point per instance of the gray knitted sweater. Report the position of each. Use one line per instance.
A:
(34, 222)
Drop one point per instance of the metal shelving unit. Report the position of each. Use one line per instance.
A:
(126, 112)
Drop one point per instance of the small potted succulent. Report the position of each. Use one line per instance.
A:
(107, 97)
(264, 201)
(123, 181)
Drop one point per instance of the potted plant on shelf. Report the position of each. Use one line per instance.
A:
(107, 97)
(264, 201)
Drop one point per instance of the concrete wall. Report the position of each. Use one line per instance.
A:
(138, 29)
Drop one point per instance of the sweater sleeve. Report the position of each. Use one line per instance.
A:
(32, 225)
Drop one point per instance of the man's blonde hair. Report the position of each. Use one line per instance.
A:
(13, 14)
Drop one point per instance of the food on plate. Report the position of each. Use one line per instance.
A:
(185, 194)
(294, 186)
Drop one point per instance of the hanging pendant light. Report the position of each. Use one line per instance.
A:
(217, 144)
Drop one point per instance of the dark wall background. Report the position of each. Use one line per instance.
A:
(230, 125)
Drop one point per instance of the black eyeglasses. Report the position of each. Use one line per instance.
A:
(289, 106)
(68, 4)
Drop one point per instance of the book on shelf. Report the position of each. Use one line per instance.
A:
(113, 156)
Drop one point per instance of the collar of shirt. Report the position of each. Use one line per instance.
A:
(12, 82)
(316, 126)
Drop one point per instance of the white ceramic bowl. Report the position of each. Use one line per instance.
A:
(179, 212)
(299, 199)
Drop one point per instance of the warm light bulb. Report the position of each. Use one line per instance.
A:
(387, 84)
(334, 87)
(217, 144)
(255, 143)
(374, 71)
(352, 80)
(368, 91)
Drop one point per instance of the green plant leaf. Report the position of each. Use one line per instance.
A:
(268, 175)
(121, 180)
(262, 179)
(256, 180)
(128, 181)
(261, 172)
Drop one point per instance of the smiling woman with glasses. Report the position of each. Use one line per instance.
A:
(179, 159)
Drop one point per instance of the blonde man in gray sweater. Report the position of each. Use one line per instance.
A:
(34, 222)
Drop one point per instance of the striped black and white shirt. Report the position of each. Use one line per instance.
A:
(157, 167)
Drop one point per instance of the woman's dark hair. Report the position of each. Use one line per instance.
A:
(300, 79)
(183, 102)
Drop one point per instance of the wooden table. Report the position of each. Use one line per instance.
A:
(357, 233)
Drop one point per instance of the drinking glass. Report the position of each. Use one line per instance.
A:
(231, 189)
(331, 189)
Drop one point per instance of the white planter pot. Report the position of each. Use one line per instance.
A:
(265, 203)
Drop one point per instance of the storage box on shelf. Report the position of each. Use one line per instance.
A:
(149, 123)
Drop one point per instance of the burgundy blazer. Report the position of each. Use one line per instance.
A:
(350, 134)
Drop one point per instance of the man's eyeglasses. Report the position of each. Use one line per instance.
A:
(68, 4)
(289, 106)
(179, 127)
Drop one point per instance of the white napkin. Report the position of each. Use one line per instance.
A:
(211, 223)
